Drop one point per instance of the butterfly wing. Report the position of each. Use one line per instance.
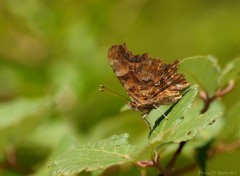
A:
(148, 81)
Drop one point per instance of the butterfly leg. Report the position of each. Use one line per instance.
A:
(144, 115)
(161, 111)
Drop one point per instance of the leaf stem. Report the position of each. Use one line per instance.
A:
(155, 162)
(175, 156)
(220, 93)
(168, 170)
(221, 148)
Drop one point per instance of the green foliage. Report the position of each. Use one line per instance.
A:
(205, 73)
(53, 56)
(202, 155)
(97, 155)
(216, 123)
(165, 131)
(183, 122)
(20, 117)
(230, 71)
(232, 123)
(66, 144)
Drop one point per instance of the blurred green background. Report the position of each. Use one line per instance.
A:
(58, 50)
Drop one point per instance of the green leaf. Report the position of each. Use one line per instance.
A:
(66, 144)
(230, 72)
(211, 131)
(215, 128)
(232, 124)
(18, 118)
(202, 155)
(175, 116)
(178, 128)
(98, 155)
(201, 70)
(14, 112)
(192, 126)
(125, 108)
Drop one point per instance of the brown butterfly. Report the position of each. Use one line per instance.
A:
(148, 81)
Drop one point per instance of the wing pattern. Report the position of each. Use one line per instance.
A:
(148, 81)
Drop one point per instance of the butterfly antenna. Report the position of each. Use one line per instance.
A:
(111, 92)
(160, 111)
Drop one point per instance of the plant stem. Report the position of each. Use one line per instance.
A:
(221, 148)
(175, 156)
(220, 93)
(167, 171)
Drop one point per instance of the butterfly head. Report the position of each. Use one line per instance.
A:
(140, 107)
